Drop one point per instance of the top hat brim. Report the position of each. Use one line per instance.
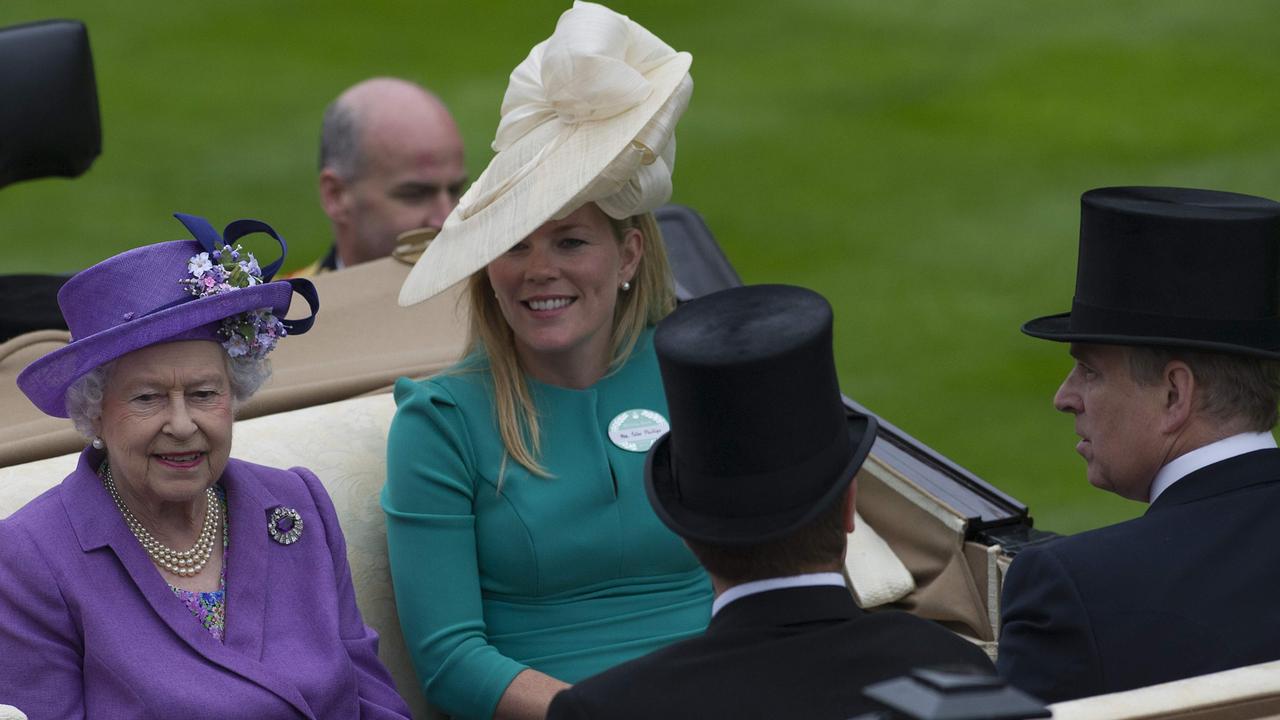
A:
(46, 380)
(1058, 329)
(664, 496)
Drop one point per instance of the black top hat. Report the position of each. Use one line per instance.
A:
(1172, 266)
(761, 442)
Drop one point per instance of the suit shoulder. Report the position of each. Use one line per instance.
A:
(296, 484)
(37, 540)
(623, 691)
(39, 511)
(268, 474)
(471, 374)
(28, 527)
(619, 681)
(932, 643)
(1091, 547)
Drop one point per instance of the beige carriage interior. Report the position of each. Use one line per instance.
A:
(328, 408)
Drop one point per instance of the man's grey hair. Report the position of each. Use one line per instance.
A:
(340, 140)
(84, 396)
(1239, 391)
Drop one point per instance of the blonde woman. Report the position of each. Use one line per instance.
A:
(524, 552)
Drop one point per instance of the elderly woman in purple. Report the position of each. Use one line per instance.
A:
(162, 578)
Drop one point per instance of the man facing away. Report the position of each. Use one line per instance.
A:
(390, 161)
(1175, 330)
(757, 475)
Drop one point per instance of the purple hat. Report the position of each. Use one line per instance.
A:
(202, 289)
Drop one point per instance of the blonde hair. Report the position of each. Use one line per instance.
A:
(651, 298)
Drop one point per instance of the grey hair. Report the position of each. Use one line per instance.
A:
(84, 396)
(1238, 391)
(340, 140)
(246, 376)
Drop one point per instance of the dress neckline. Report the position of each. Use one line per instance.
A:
(209, 607)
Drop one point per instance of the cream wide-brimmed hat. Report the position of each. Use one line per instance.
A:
(589, 116)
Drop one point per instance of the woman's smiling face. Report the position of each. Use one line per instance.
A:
(558, 288)
(166, 421)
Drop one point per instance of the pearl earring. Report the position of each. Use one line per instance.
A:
(97, 443)
(625, 286)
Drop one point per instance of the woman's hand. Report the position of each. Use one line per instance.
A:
(528, 696)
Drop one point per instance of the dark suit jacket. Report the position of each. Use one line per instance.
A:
(1188, 588)
(800, 652)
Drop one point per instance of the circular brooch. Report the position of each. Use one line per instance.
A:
(285, 525)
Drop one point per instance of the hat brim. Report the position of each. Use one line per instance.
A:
(465, 246)
(664, 496)
(46, 380)
(1058, 329)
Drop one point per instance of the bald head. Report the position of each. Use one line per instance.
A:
(390, 161)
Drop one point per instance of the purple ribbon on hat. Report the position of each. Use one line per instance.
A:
(204, 233)
(143, 296)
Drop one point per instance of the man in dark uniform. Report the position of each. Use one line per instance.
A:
(757, 476)
(1175, 329)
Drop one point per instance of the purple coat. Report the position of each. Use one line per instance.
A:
(89, 627)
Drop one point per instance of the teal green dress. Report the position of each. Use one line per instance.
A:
(568, 575)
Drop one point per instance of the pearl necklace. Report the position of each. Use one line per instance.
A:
(185, 563)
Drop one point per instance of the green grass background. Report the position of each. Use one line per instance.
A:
(919, 163)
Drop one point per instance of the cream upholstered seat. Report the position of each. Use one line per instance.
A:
(920, 543)
(1241, 694)
(344, 443)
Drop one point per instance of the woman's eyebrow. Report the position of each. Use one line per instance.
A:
(569, 226)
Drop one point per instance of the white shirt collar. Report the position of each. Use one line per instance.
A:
(776, 583)
(1223, 449)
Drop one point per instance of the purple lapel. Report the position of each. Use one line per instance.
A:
(246, 571)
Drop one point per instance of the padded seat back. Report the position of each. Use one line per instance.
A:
(362, 341)
(344, 443)
(48, 101)
(1242, 694)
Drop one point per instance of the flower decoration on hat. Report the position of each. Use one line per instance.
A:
(176, 290)
(228, 268)
(224, 266)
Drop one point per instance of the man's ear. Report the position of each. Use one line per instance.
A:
(1179, 385)
(333, 195)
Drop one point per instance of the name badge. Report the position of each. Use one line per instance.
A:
(637, 430)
